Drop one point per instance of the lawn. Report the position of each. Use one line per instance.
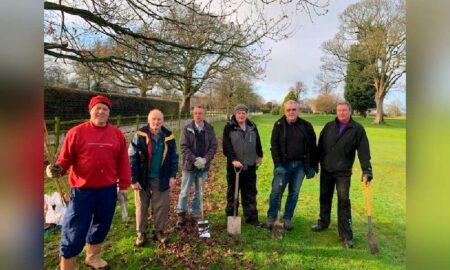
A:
(255, 249)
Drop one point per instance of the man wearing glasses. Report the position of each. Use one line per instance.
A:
(294, 154)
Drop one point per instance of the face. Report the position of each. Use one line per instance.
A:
(199, 115)
(155, 120)
(99, 114)
(291, 112)
(241, 116)
(343, 113)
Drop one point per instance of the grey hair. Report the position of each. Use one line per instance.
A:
(289, 102)
(345, 103)
(156, 110)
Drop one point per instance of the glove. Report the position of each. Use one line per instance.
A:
(200, 163)
(279, 170)
(367, 175)
(53, 171)
(123, 194)
(310, 172)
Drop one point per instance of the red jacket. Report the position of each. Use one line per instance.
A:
(98, 156)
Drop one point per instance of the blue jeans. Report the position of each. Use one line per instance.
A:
(87, 219)
(187, 179)
(294, 176)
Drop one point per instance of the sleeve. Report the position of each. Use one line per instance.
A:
(259, 151)
(212, 147)
(364, 152)
(68, 152)
(226, 144)
(185, 147)
(173, 160)
(274, 145)
(123, 165)
(134, 158)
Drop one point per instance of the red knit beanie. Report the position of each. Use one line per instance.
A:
(100, 99)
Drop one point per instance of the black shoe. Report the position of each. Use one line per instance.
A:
(347, 243)
(256, 223)
(318, 228)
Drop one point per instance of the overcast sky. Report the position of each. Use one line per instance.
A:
(298, 58)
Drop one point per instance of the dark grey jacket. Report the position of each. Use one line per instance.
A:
(188, 145)
(244, 146)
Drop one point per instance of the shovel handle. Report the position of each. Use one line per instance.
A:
(368, 205)
(200, 186)
(236, 191)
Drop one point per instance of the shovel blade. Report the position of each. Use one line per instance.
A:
(277, 230)
(234, 225)
(372, 243)
(203, 229)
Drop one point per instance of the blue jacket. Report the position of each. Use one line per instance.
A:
(138, 151)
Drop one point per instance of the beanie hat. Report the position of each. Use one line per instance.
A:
(100, 99)
(240, 107)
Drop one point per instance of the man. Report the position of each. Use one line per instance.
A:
(198, 146)
(95, 152)
(338, 143)
(294, 154)
(154, 163)
(242, 147)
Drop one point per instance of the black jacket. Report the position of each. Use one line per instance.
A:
(337, 154)
(244, 146)
(279, 143)
(139, 150)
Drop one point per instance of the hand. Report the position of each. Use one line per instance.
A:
(53, 171)
(310, 172)
(280, 170)
(236, 164)
(136, 186)
(172, 182)
(366, 178)
(258, 161)
(123, 193)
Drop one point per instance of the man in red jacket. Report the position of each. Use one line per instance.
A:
(95, 154)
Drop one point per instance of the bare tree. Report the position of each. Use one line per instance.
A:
(379, 27)
(299, 89)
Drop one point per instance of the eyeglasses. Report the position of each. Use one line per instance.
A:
(291, 110)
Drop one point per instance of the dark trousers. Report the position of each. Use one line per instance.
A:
(328, 182)
(87, 219)
(247, 186)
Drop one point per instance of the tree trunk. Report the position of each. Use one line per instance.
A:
(185, 104)
(379, 118)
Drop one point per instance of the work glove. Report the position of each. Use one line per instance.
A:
(53, 171)
(123, 194)
(200, 163)
(279, 170)
(310, 172)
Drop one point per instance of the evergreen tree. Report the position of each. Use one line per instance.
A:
(290, 96)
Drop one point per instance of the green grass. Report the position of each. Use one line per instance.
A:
(300, 248)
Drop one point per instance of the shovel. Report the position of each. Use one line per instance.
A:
(370, 237)
(278, 226)
(234, 222)
(123, 198)
(202, 224)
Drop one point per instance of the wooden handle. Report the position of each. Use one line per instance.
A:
(368, 205)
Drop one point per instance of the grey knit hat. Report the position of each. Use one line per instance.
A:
(240, 107)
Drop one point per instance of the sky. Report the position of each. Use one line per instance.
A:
(298, 58)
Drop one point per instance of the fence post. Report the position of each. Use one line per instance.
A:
(137, 122)
(118, 121)
(57, 132)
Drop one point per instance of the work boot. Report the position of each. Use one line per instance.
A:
(270, 221)
(181, 220)
(93, 257)
(347, 243)
(287, 225)
(141, 239)
(160, 237)
(255, 223)
(195, 217)
(67, 264)
(318, 228)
